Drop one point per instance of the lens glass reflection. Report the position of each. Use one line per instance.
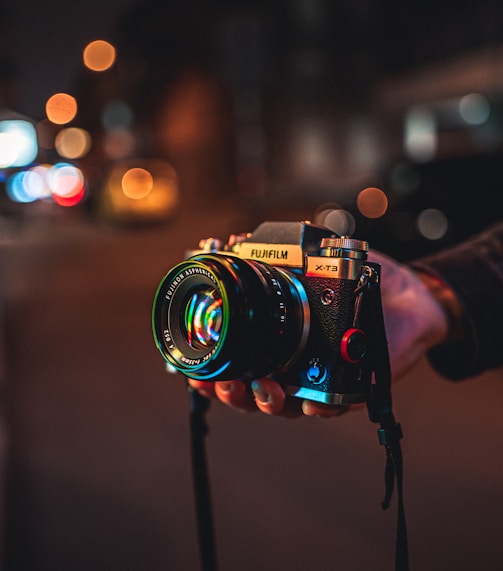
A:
(203, 318)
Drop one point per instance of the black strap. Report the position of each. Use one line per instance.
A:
(379, 406)
(204, 513)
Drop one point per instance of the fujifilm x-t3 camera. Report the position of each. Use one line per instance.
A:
(288, 301)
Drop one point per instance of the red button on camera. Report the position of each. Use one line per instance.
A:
(353, 345)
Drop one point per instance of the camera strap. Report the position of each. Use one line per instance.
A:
(379, 405)
(204, 513)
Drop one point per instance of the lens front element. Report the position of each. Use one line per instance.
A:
(203, 318)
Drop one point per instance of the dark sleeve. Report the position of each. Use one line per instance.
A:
(474, 271)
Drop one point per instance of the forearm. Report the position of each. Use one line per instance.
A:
(457, 327)
(467, 281)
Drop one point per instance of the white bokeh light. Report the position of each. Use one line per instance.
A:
(432, 224)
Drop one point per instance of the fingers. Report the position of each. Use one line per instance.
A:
(265, 395)
(235, 394)
(269, 396)
(271, 399)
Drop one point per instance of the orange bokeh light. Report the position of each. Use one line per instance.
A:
(137, 183)
(61, 108)
(372, 202)
(99, 55)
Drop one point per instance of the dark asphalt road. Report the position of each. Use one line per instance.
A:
(98, 466)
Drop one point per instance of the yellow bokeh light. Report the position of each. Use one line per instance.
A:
(137, 183)
(61, 108)
(99, 55)
(73, 143)
(372, 202)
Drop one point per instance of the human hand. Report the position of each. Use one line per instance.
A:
(414, 319)
(265, 395)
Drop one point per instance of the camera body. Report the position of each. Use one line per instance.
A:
(290, 300)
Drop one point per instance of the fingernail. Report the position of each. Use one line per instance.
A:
(260, 395)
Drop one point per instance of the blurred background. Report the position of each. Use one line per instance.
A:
(131, 130)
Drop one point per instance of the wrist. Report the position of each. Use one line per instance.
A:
(454, 328)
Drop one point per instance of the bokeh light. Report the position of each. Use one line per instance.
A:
(38, 181)
(63, 183)
(73, 200)
(99, 55)
(117, 114)
(338, 220)
(8, 153)
(61, 108)
(432, 224)
(141, 189)
(65, 179)
(372, 202)
(474, 109)
(73, 143)
(18, 188)
(137, 183)
(18, 143)
(420, 134)
(67, 184)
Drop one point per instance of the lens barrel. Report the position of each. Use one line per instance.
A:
(220, 317)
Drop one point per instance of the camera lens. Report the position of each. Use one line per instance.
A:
(220, 317)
